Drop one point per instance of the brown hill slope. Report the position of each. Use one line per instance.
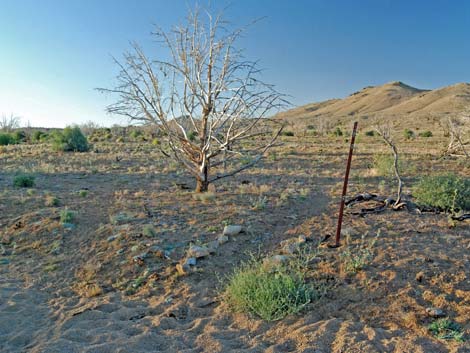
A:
(392, 99)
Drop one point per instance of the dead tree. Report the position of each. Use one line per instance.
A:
(456, 127)
(206, 101)
(8, 124)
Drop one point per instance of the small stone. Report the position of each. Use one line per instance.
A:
(232, 230)
(191, 261)
(198, 251)
(212, 246)
(435, 312)
(113, 237)
(419, 276)
(222, 239)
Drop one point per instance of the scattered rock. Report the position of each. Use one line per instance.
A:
(232, 230)
(212, 246)
(198, 251)
(435, 312)
(419, 276)
(222, 239)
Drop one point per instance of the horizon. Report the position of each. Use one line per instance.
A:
(58, 53)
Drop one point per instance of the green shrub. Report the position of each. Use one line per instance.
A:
(446, 330)
(267, 293)
(446, 192)
(19, 136)
(338, 132)
(24, 181)
(288, 133)
(7, 139)
(192, 135)
(409, 134)
(425, 134)
(67, 216)
(370, 133)
(71, 139)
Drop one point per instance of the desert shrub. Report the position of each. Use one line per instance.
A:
(446, 192)
(38, 136)
(287, 133)
(19, 136)
(270, 294)
(67, 216)
(192, 135)
(370, 133)
(446, 330)
(135, 134)
(426, 133)
(23, 181)
(383, 164)
(354, 259)
(7, 139)
(71, 139)
(337, 132)
(409, 134)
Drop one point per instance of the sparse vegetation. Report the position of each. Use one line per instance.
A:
(446, 329)
(270, 294)
(24, 180)
(426, 133)
(446, 192)
(67, 216)
(409, 134)
(354, 259)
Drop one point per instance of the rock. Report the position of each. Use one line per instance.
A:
(232, 230)
(191, 261)
(212, 246)
(435, 312)
(222, 239)
(113, 237)
(419, 276)
(198, 251)
(275, 261)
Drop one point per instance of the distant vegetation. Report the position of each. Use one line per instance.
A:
(71, 139)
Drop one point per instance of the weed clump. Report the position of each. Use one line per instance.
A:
(67, 217)
(70, 140)
(24, 181)
(446, 330)
(270, 294)
(425, 134)
(445, 192)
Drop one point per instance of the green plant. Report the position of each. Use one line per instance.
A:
(51, 201)
(67, 216)
(270, 294)
(383, 163)
(446, 192)
(24, 180)
(288, 133)
(149, 231)
(354, 259)
(7, 139)
(338, 132)
(370, 133)
(71, 139)
(446, 329)
(83, 193)
(260, 203)
(426, 133)
(409, 134)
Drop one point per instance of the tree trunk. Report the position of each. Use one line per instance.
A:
(202, 184)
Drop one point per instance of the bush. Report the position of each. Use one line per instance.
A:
(7, 139)
(71, 139)
(19, 136)
(24, 181)
(425, 134)
(267, 293)
(287, 133)
(446, 192)
(338, 132)
(409, 134)
(370, 133)
(67, 216)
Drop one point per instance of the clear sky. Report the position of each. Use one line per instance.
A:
(53, 53)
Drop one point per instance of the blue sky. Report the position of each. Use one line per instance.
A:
(53, 53)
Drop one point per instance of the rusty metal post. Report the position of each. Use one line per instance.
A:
(345, 188)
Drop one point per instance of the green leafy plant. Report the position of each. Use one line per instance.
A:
(71, 139)
(370, 133)
(24, 180)
(338, 132)
(270, 294)
(67, 216)
(288, 133)
(354, 259)
(446, 192)
(446, 329)
(7, 139)
(409, 134)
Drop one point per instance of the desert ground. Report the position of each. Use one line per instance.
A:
(107, 280)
